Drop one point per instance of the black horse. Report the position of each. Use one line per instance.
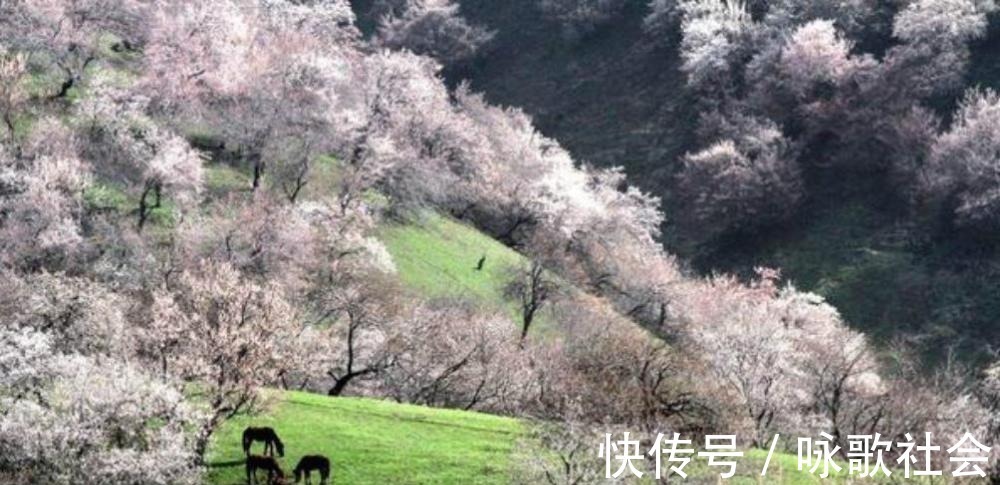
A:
(309, 463)
(266, 463)
(268, 436)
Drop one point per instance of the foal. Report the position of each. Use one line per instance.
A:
(274, 473)
(268, 436)
(309, 463)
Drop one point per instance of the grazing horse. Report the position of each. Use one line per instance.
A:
(268, 436)
(309, 463)
(274, 473)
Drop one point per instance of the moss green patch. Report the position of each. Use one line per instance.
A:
(106, 197)
(221, 179)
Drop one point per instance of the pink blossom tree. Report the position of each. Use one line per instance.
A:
(234, 335)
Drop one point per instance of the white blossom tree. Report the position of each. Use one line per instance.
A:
(267, 77)
(360, 312)
(935, 34)
(942, 22)
(964, 164)
(746, 179)
(816, 55)
(455, 357)
(42, 199)
(70, 410)
(433, 28)
(768, 347)
(151, 158)
(717, 35)
(79, 316)
(234, 334)
(99, 422)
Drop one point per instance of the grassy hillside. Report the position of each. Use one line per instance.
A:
(616, 96)
(437, 256)
(371, 441)
(376, 442)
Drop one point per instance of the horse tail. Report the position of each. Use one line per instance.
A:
(247, 441)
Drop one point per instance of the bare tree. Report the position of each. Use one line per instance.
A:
(453, 355)
(532, 288)
(566, 456)
(359, 311)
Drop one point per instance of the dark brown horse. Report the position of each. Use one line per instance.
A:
(309, 463)
(267, 463)
(268, 436)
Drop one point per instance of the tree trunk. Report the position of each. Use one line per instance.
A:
(204, 436)
(529, 316)
(258, 172)
(143, 208)
(8, 121)
(339, 385)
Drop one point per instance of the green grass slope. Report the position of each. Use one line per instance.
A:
(375, 442)
(370, 441)
(437, 256)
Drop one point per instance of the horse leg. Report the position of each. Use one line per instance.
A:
(250, 477)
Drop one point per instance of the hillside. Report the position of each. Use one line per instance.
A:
(612, 98)
(616, 96)
(375, 442)
(299, 215)
(437, 256)
(371, 441)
